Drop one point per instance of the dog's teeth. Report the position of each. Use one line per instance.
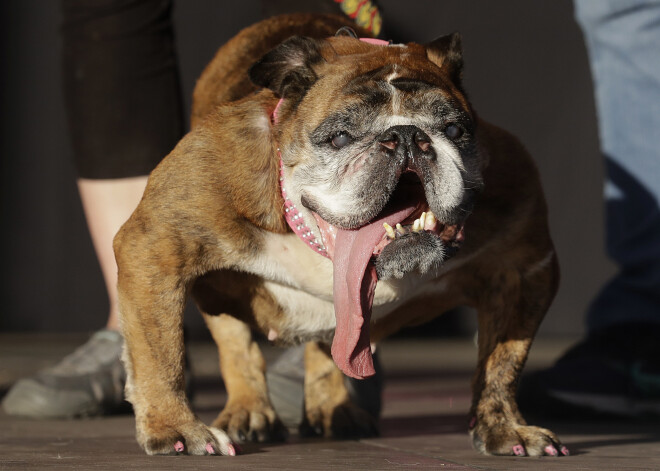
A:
(389, 231)
(400, 229)
(417, 226)
(430, 220)
(422, 221)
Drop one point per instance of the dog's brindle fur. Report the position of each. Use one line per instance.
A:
(213, 206)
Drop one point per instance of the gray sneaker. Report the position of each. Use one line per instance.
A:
(88, 382)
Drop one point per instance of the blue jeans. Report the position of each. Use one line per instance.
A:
(623, 41)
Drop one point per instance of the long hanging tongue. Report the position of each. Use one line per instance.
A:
(354, 285)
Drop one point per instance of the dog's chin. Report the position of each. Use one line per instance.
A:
(419, 244)
(418, 252)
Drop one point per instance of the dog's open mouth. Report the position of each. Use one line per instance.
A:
(408, 197)
(451, 235)
(355, 252)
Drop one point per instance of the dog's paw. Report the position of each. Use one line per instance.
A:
(253, 424)
(192, 438)
(343, 421)
(516, 440)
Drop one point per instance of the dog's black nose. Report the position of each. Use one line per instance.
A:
(407, 139)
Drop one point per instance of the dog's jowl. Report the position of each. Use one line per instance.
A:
(332, 190)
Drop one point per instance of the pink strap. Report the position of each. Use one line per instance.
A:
(274, 118)
(377, 42)
(295, 219)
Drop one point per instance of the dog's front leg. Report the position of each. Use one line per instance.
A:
(511, 308)
(151, 298)
(248, 414)
(329, 410)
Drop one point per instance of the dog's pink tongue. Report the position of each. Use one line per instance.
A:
(354, 285)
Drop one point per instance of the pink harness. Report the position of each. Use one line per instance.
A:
(293, 217)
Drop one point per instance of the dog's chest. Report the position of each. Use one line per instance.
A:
(301, 282)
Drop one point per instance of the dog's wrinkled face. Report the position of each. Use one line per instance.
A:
(391, 129)
(396, 142)
(378, 144)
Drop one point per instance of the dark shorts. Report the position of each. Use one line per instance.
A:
(121, 81)
(121, 85)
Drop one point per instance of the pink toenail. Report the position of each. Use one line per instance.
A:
(178, 447)
(551, 450)
(519, 450)
(210, 450)
(231, 451)
(473, 422)
(564, 451)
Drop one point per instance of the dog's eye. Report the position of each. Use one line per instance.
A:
(341, 139)
(453, 131)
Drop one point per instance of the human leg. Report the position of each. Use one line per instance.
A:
(107, 205)
(123, 105)
(623, 40)
(617, 368)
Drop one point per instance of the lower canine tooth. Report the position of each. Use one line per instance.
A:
(400, 229)
(430, 220)
(389, 231)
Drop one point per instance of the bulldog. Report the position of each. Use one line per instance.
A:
(332, 190)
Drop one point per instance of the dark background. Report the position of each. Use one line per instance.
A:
(526, 70)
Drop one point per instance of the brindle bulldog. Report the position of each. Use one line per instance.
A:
(323, 196)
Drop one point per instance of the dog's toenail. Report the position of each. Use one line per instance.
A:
(551, 450)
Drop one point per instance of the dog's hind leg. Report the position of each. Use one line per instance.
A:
(511, 304)
(329, 410)
(248, 414)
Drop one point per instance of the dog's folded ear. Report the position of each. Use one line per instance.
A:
(447, 52)
(287, 69)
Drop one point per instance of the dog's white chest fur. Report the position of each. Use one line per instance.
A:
(301, 282)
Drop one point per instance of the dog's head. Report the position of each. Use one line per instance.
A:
(380, 156)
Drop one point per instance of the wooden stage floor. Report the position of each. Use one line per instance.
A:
(424, 424)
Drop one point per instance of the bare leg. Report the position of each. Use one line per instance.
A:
(107, 205)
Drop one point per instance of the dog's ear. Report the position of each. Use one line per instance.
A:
(447, 52)
(287, 69)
